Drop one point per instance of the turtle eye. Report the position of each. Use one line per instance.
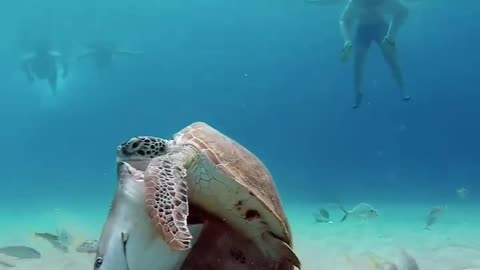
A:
(98, 262)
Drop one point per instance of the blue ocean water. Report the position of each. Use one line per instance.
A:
(266, 73)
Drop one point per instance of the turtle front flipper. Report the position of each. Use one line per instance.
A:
(166, 200)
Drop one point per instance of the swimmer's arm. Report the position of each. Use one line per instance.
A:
(399, 12)
(347, 19)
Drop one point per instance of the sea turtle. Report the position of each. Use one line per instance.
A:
(202, 167)
(130, 241)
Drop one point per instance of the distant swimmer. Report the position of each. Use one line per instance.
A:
(102, 54)
(369, 16)
(45, 63)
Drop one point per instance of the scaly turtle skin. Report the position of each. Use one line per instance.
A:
(203, 167)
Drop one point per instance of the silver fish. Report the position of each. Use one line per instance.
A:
(54, 240)
(20, 252)
(322, 216)
(129, 240)
(363, 211)
(434, 215)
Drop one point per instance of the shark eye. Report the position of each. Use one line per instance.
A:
(98, 262)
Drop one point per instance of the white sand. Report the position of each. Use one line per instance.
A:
(452, 244)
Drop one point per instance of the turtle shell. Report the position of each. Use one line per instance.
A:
(233, 162)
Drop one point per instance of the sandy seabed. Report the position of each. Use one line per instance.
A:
(453, 243)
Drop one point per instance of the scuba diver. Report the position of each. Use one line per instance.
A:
(372, 26)
(103, 52)
(45, 63)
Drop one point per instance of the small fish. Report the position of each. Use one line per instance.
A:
(89, 246)
(65, 237)
(363, 211)
(322, 216)
(463, 193)
(47, 236)
(434, 215)
(409, 263)
(54, 240)
(20, 252)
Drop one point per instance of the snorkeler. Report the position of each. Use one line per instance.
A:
(44, 63)
(103, 52)
(371, 25)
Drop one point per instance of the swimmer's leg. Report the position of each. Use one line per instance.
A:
(391, 58)
(360, 55)
(52, 81)
(361, 45)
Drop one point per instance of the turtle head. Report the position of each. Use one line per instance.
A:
(139, 151)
